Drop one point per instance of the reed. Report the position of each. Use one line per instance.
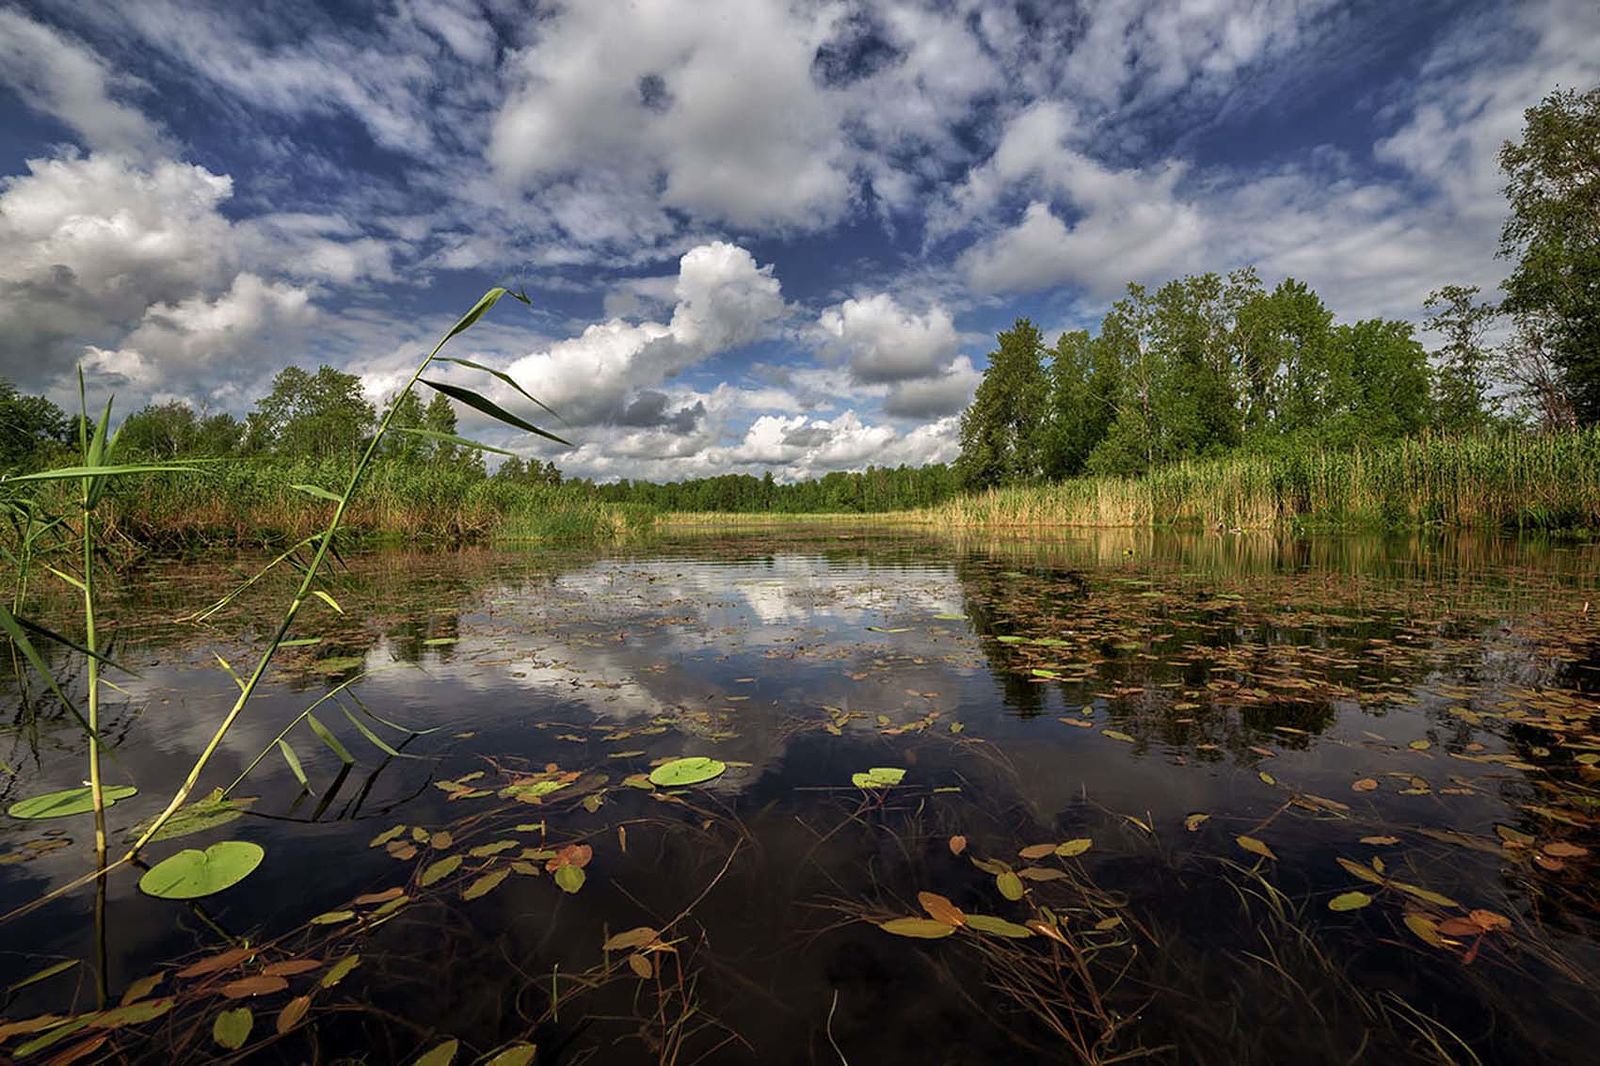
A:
(1503, 480)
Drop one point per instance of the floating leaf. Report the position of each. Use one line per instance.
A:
(484, 851)
(919, 928)
(226, 960)
(1380, 841)
(1349, 901)
(255, 985)
(1424, 894)
(387, 835)
(1426, 930)
(1117, 734)
(132, 1014)
(515, 1055)
(1195, 821)
(339, 971)
(1366, 873)
(333, 917)
(292, 1013)
(1560, 849)
(440, 1055)
(68, 801)
(637, 937)
(197, 817)
(570, 878)
(232, 1027)
(958, 844)
(941, 909)
(43, 975)
(641, 966)
(438, 871)
(487, 884)
(1256, 847)
(1036, 851)
(1009, 884)
(690, 771)
(142, 987)
(985, 923)
(191, 874)
(878, 777)
(1074, 847)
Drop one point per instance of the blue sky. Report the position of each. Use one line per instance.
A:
(758, 234)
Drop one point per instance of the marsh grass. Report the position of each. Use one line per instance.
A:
(1504, 480)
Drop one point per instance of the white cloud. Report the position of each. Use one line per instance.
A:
(884, 342)
(723, 300)
(714, 101)
(946, 394)
(62, 78)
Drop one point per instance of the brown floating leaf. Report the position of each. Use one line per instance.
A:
(1366, 784)
(1036, 851)
(441, 840)
(30, 1025)
(1195, 821)
(633, 938)
(258, 985)
(1380, 842)
(78, 1051)
(290, 967)
(941, 909)
(1488, 921)
(1042, 873)
(378, 897)
(1255, 847)
(224, 961)
(292, 1012)
(142, 988)
(642, 966)
(1560, 849)
(958, 844)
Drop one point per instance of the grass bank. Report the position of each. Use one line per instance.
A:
(249, 503)
(1490, 481)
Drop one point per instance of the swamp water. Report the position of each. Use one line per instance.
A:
(1192, 799)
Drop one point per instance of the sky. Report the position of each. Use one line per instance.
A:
(756, 234)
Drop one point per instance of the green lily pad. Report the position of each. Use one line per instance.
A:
(67, 801)
(690, 771)
(191, 874)
(202, 814)
(878, 777)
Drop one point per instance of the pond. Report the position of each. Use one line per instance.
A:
(1124, 795)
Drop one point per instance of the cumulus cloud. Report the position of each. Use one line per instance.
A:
(723, 300)
(884, 342)
(945, 394)
(714, 101)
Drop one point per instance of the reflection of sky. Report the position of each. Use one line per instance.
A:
(750, 647)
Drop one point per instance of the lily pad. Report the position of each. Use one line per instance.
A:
(202, 814)
(691, 771)
(191, 874)
(66, 802)
(878, 777)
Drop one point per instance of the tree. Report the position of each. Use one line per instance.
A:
(30, 427)
(1461, 385)
(1553, 234)
(321, 415)
(174, 430)
(1084, 382)
(1002, 431)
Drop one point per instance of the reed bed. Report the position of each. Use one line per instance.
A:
(1491, 481)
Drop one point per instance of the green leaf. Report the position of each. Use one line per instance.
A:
(340, 970)
(878, 777)
(503, 376)
(985, 923)
(1349, 901)
(450, 438)
(191, 874)
(197, 817)
(373, 738)
(1009, 884)
(438, 871)
(294, 764)
(1074, 847)
(66, 473)
(232, 1027)
(328, 599)
(917, 928)
(324, 735)
(318, 491)
(440, 1055)
(515, 1055)
(43, 975)
(487, 884)
(492, 409)
(68, 801)
(1255, 847)
(690, 771)
(570, 878)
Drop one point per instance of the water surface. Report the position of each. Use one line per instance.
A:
(1409, 719)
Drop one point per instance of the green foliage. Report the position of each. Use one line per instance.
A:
(319, 416)
(174, 431)
(1002, 432)
(32, 429)
(1553, 235)
(1461, 385)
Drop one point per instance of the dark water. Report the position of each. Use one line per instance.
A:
(1428, 704)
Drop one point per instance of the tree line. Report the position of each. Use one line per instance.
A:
(1208, 364)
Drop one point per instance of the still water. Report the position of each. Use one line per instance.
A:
(1190, 799)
